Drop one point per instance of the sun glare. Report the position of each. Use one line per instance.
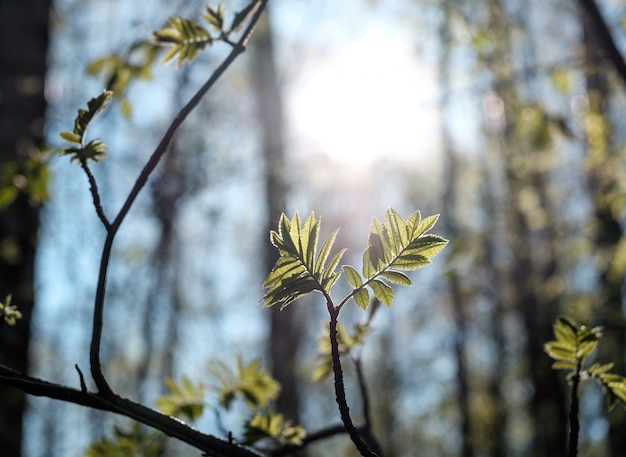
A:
(366, 100)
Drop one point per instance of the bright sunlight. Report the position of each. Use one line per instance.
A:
(366, 100)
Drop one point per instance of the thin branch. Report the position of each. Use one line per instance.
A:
(93, 188)
(366, 430)
(161, 149)
(573, 413)
(169, 425)
(340, 392)
(83, 385)
(310, 438)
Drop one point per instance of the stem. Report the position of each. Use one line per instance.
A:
(161, 149)
(93, 188)
(340, 393)
(573, 413)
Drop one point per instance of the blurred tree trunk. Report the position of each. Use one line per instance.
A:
(457, 296)
(605, 165)
(531, 238)
(24, 38)
(284, 337)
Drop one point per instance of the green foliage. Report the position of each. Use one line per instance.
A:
(394, 245)
(132, 441)
(120, 70)
(347, 342)
(273, 426)
(250, 382)
(9, 314)
(30, 177)
(93, 150)
(574, 344)
(184, 399)
(300, 269)
(186, 38)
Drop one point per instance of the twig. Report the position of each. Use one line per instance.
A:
(83, 385)
(96, 339)
(105, 399)
(573, 413)
(93, 188)
(340, 393)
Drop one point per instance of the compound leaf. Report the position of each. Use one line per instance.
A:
(393, 245)
(183, 399)
(185, 38)
(249, 382)
(300, 269)
(272, 426)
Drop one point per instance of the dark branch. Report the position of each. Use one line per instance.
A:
(340, 392)
(605, 37)
(169, 425)
(161, 149)
(93, 188)
(327, 432)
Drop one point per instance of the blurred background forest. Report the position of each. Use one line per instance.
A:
(505, 116)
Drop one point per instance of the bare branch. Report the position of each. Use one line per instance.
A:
(161, 149)
(340, 392)
(93, 188)
(169, 425)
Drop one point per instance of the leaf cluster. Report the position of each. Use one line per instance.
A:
(273, 426)
(257, 388)
(393, 246)
(574, 344)
(187, 38)
(94, 149)
(301, 268)
(249, 382)
(120, 70)
(347, 341)
(131, 441)
(9, 314)
(183, 400)
(30, 177)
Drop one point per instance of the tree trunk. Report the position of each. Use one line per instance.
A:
(24, 38)
(283, 338)
(608, 232)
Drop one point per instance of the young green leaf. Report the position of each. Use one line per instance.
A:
(94, 106)
(382, 291)
(352, 276)
(241, 16)
(95, 149)
(133, 440)
(393, 245)
(215, 17)
(70, 137)
(272, 426)
(300, 269)
(183, 400)
(573, 345)
(185, 38)
(249, 382)
(8, 314)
